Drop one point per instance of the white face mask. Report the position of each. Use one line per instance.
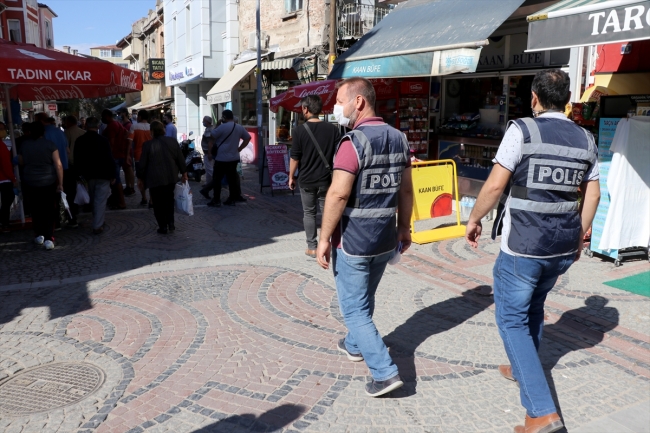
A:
(338, 114)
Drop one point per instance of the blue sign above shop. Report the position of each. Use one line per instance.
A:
(410, 65)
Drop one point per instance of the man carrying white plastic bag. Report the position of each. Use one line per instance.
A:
(183, 198)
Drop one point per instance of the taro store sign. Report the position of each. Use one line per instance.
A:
(156, 69)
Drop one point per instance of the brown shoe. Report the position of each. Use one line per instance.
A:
(311, 253)
(543, 424)
(506, 371)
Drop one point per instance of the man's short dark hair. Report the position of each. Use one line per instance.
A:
(37, 130)
(227, 114)
(92, 123)
(168, 116)
(157, 129)
(123, 111)
(26, 127)
(143, 114)
(70, 120)
(313, 104)
(360, 86)
(552, 87)
(51, 121)
(106, 114)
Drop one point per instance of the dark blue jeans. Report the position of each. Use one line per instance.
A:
(520, 288)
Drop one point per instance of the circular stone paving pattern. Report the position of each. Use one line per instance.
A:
(49, 387)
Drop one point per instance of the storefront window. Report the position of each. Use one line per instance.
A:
(474, 107)
(248, 115)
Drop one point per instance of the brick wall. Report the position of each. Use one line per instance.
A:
(290, 33)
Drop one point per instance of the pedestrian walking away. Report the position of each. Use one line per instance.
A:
(43, 182)
(127, 164)
(229, 139)
(312, 155)
(206, 147)
(139, 134)
(118, 139)
(95, 164)
(8, 181)
(542, 165)
(72, 133)
(160, 162)
(170, 128)
(360, 232)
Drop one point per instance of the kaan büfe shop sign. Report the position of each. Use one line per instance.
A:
(594, 24)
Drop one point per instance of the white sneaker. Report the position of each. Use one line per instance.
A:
(39, 240)
(49, 245)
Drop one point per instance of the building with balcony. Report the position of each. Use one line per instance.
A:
(46, 25)
(19, 21)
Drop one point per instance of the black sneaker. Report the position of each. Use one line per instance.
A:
(375, 388)
(162, 231)
(229, 202)
(354, 357)
(129, 192)
(205, 193)
(240, 199)
(171, 228)
(72, 224)
(214, 203)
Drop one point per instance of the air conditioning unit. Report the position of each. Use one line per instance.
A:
(252, 40)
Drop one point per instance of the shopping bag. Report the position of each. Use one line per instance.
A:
(64, 204)
(82, 195)
(183, 198)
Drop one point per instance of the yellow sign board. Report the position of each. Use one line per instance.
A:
(435, 187)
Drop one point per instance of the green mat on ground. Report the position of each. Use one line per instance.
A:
(638, 284)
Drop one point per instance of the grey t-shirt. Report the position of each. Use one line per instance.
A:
(227, 145)
(38, 163)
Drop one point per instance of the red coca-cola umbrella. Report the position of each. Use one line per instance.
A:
(290, 100)
(30, 73)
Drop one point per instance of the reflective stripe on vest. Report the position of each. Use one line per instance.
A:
(542, 195)
(368, 223)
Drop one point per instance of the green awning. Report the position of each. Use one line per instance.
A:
(576, 23)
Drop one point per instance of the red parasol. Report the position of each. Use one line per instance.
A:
(30, 73)
(38, 74)
(290, 100)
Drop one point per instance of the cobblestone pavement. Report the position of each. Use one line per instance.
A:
(227, 326)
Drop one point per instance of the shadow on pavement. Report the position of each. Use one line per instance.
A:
(270, 421)
(61, 300)
(434, 319)
(557, 346)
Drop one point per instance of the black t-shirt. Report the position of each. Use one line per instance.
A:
(313, 172)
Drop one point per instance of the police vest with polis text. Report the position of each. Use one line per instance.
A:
(368, 224)
(543, 195)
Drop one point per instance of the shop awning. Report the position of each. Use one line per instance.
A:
(221, 92)
(151, 106)
(575, 23)
(287, 63)
(424, 37)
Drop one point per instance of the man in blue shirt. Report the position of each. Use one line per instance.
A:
(56, 136)
(170, 128)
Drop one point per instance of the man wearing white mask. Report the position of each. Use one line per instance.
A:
(360, 229)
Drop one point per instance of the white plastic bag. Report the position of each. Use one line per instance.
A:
(82, 195)
(183, 198)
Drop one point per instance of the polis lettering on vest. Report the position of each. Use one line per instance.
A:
(632, 14)
(385, 180)
(561, 175)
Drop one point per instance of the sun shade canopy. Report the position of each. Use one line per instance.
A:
(575, 23)
(425, 37)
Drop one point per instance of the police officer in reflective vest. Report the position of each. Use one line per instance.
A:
(360, 229)
(540, 165)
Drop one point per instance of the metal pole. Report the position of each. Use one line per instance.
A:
(14, 151)
(333, 34)
(260, 135)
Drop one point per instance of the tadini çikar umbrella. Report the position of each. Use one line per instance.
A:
(30, 73)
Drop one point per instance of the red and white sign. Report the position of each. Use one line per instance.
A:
(39, 74)
(385, 88)
(278, 163)
(51, 107)
(414, 88)
(290, 100)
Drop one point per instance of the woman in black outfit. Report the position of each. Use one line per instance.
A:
(160, 163)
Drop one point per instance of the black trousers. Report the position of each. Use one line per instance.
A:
(7, 198)
(228, 169)
(43, 200)
(163, 204)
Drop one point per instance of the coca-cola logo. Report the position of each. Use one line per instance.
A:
(320, 90)
(415, 87)
(47, 93)
(129, 81)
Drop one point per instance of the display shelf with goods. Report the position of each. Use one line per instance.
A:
(519, 96)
